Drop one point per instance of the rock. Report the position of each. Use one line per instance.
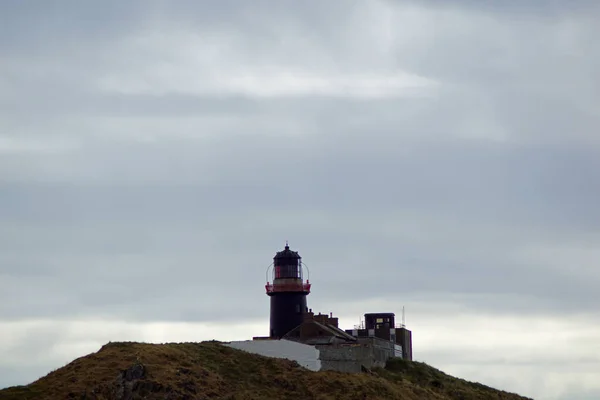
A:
(137, 371)
(126, 380)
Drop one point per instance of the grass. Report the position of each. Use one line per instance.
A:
(209, 370)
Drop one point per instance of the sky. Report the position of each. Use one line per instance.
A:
(441, 156)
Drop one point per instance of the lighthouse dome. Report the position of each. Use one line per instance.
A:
(286, 256)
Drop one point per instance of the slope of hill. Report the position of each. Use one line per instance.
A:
(209, 370)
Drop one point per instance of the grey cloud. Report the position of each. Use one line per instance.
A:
(11, 376)
(145, 238)
(577, 393)
(514, 8)
(63, 25)
(194, 221)
(474, 180)
(135, 206)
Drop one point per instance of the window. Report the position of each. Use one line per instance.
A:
(288, 271)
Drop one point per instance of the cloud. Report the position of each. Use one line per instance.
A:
(273, 84)
(154, 157)
(528, 8)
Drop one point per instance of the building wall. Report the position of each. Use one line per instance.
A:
(344, 358)
(368, 352)
(287, 312)
(400, 336)
(405, 338)
(382, 350)
(307, 356)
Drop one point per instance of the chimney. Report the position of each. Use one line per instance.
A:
(309, 316)
(321, 318)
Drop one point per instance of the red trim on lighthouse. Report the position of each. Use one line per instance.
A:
(287, 287)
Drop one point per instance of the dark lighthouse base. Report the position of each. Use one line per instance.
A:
(287, 312)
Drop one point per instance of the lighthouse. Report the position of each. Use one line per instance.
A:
(287, 292)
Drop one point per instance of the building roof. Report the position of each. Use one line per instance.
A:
(335, 334)
(380, 314)
(340, 332)
(317, 340)
(286, 254)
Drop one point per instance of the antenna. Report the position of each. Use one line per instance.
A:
(403, 318)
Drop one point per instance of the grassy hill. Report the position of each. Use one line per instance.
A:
(209, 370)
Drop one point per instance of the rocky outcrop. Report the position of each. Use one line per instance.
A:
(129, 380)
(130, 384)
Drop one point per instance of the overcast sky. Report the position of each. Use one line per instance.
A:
(438, 155)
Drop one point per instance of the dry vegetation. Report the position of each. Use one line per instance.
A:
(209, 370)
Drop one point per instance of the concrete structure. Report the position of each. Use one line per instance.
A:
(305, 355)
(355, 357)
(365, 353)
(383, 326)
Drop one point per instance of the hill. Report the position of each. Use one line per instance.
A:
(209, 370)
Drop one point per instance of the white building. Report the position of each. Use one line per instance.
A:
(305, 355)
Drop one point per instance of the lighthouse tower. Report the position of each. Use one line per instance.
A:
(288, 292)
